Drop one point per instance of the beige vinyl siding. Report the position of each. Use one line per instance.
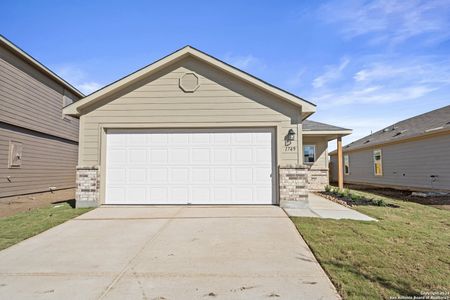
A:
(158, 102)
(321, 144)
(32, 100)
(46, 162)
(416, 159)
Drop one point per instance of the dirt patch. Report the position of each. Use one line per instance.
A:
(442, 202)
(15, 204)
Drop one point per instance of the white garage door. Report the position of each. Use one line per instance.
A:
(190, 166)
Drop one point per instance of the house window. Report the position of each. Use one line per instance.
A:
(346, 165)
(377, 163)
(309, 154)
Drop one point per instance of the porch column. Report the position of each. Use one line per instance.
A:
(340, 161)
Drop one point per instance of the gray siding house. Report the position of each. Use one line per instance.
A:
(413, 154)
(38, 144)
(191, 129)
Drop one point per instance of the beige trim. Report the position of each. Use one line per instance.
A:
(38, 65)
(340, 164)
(337, 132)
(76, 108)
(399, 141)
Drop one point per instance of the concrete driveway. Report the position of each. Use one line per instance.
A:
(171, 252)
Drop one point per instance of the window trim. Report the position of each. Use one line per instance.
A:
(314, 147)
(348, 164)
(374, 162)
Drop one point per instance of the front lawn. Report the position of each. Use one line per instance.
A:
(407, 252)
(23, 225)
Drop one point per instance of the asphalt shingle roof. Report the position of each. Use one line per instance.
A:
(309, 125)
(422, 124)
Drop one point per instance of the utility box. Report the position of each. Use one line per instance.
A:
(15, 154)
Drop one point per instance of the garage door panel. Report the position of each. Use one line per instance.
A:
(137, 140)
(260, 155)
(137, 194)
(200, 139)
(158, 194)
(179, 156)
(158, 139)
(190, 166)
(158, 175)
(200, 195)
(136, 176)
(260, 175)
(200, 175)
(242, 195)
(117, 175)
(242, 176)
(116, 195)
(242, 155)
(159, 156)
(178, 139)
(221, 156)
(118, 156)
(179, 194)
(222, 175)
(200, 155)
(222, 194)
(179, 175)
(137, 156)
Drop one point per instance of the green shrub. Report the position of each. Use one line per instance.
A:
(347, 193)
(327, 188)
(378, 202)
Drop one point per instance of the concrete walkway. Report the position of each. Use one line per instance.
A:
(320, 207)
(170, 252)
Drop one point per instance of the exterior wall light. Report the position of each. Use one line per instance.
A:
(291, 135)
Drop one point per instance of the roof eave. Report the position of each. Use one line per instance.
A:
(400, 140)
(76, 108)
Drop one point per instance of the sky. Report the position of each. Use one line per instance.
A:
(365, 64)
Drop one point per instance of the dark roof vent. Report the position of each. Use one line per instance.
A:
(398, 133)
(366, 141)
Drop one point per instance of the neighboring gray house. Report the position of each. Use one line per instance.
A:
(38, 144)
(190, 128)
(413, 154)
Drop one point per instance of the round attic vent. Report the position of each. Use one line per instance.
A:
(189, 82)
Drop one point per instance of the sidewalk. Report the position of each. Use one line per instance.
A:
(319, 207)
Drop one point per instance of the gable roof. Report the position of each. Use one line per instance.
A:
(428, 123)
(4, 42)
(309, 125)
(74, 109)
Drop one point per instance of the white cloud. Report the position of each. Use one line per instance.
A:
(246, 62)
(332, 73)
(296, 79)
(78, 78)
(386, 80)
(373, 95)
(389, 21)
(89, 87)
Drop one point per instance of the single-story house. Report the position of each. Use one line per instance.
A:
(191, 129)
(413, 154)
(38, 144)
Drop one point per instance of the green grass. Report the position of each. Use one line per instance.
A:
(23, 225)
(407, 252)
